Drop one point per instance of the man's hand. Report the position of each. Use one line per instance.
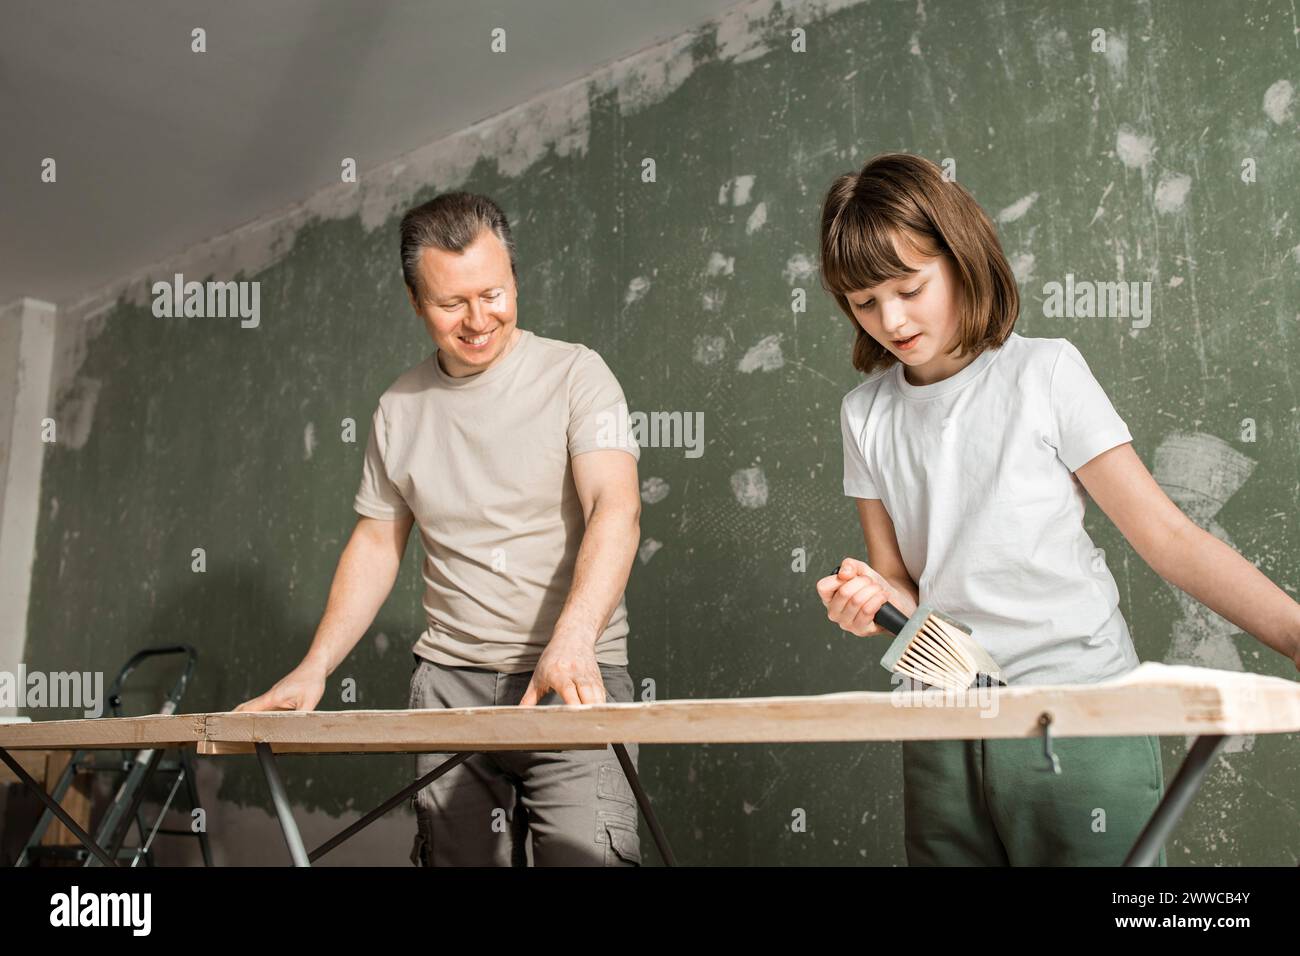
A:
(567, 666)
(300, 689)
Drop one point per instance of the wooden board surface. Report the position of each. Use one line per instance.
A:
(105, 733)
(1153, 699)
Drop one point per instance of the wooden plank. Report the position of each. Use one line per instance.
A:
(1153, 699)
(104, 733)
(226, 748)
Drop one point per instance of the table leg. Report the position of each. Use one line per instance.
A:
(454, 761)
(287, 823)
(1178, 797)
(629, 771)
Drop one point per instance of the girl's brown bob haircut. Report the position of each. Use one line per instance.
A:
(902, 197)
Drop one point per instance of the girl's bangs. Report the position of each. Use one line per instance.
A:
(861, 253)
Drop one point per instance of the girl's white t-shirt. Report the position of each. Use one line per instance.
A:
(976, 472)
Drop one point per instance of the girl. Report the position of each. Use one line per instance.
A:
(968, 449)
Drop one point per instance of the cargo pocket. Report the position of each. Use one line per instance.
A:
(418, 856)
(614, 794)
(622, 845)
(420, 850)
(616, 817)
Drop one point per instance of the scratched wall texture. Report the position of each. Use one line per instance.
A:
(1123, 165)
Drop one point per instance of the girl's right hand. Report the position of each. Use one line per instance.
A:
(854, 595)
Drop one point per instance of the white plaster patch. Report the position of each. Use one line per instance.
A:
(1022, 265)
(1117, 51)
(1171, 192)
(749, 486)
(654, 490)
(1200, 473)
(798, 267)
(649, 547)
(76, 413)
(765, 356)
(1017, 209)
(1278, 100)
(647, 78)
(1134, 150)
(720, 265)
(709, 349)
(736, 190)
(636, 289)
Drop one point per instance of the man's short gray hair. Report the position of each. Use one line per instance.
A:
(450, 222)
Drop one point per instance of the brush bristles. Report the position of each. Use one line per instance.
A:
(943, 656)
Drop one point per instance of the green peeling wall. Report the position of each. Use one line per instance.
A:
(1124, 165)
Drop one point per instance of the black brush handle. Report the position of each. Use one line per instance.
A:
(891, 618)
(888, 617)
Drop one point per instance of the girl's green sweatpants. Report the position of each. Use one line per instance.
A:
(997, 803)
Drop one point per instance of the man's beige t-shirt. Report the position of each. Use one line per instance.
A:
(483, 462)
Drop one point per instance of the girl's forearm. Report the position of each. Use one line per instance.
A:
(1198, 563)
(909, 588)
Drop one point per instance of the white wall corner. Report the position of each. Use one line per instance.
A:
(27, 334)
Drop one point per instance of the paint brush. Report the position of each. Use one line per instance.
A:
(935, 649)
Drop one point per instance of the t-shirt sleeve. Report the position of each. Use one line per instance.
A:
(598, 416)
(858, 482)
(378, 497)
(1084, 423)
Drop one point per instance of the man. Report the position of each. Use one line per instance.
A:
(498, 446)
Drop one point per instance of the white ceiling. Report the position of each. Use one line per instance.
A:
(158, 147)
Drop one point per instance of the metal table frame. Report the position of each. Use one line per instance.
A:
(1177, 798)
(289, 826)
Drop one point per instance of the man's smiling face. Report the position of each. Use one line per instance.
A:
(467, 302)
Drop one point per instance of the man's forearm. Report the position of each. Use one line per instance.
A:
(600, 576)
(362, 582)
(1198, 563)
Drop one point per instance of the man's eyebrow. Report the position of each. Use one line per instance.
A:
(489, 288)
